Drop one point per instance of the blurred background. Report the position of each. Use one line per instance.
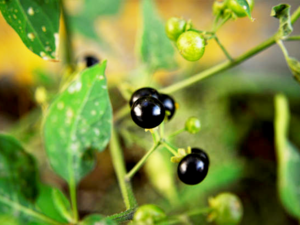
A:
(236, 108)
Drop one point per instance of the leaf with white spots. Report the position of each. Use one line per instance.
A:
(18, 185)
(78, 123)
(37, 24)
(288, 157)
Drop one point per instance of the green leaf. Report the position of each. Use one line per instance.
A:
(111, 7)
(85, 26)
(288, 160)
(47, 203)
(8, 219)
(62, 204)
(36, 22)
(18, 174)
(160, 172)
(244, 4)
(84, 22)
(282, 12)
(78, 123)
(294, 65)
(18, 185)
(97, 219)
(155, 49)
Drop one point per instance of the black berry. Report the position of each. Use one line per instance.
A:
(192, 169)
(91, 60)
(202, 153)
(147, 112)
(169, 104)
(143, 92)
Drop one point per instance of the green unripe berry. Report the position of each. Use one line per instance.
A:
(239, 10)
(193, 125)
(148, 215)
(174, 27)
(191, 45)
(227, 209)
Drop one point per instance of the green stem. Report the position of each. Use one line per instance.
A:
(176, 133)
(68, 38)
(295, 15)
(202, 31)
(155, 136)
(123, 216)
(28, 211)
(222, 23)
(216, 20)
(218, 68)
(223, 48)
(72, 188)
(141, 162)
(293, 38)
(283, 49)
(121, 113)
(226, 65)
(199, 212)
(119, 166)
(178, 218)
(162, 129)
(170, 147)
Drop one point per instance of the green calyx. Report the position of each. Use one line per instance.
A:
(181, 153)
(237, 9)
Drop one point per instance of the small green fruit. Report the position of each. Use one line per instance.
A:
(227, 209)
(191, 45)
(193, 125)
(174, 27)
(148, 215)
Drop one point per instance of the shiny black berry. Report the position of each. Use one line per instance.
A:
(192, 169)
(202, 153)
(91, 60)
(169, 104)
(143, 92)
(147, 112)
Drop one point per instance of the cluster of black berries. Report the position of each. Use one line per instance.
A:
(149, 108)
(193, 168)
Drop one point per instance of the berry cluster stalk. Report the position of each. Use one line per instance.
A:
(120, 169)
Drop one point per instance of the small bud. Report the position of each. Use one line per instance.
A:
(193, 125)
(148, 214)
(227, 209)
